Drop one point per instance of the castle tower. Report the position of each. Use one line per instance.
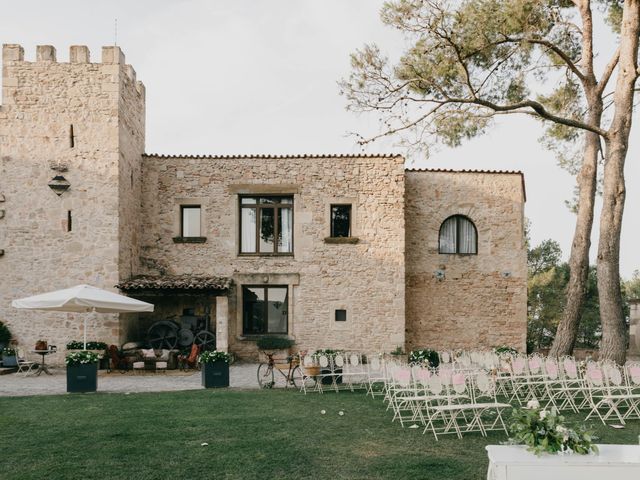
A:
(71, 139)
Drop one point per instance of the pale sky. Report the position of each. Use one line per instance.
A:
(240, 76)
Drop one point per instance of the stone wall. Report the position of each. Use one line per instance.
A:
(41, 102)
(366, 279)
(466, 301)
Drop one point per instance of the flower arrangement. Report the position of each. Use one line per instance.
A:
(75, 345)
(214, 356)
(81, 358)
(544, 431)
(425, 356)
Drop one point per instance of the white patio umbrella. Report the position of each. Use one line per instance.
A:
(83, 298)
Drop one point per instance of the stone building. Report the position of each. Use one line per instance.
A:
(336, 251)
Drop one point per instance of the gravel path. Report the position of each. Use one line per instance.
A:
(241, 375)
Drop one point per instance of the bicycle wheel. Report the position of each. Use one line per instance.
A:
(300, 380)
(265, 375)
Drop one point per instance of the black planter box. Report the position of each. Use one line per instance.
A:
(215, 374)
(327, 378)
(9, 361)
(82, 378)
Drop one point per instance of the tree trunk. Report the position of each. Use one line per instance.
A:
(567, 332)
(614, 332)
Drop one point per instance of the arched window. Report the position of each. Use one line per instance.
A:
(458, 234)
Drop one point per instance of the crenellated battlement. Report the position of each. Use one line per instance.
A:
(13, 54)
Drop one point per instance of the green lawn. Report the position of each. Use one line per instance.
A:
(251, 435)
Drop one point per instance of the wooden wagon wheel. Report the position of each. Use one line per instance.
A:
(185, 337)
(163, 334)
(205, 340)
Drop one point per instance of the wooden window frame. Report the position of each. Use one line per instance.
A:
(265, 309)
(257, 207)
(458, 219)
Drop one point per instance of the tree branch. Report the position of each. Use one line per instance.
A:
(537, 108)
(608, 71)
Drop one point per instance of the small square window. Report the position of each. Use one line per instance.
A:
(341, 315)
(190, 221)
(340, 221)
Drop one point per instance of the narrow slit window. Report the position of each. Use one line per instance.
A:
(69, 221)
(72, 140)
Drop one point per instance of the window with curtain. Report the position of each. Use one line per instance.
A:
(458, 234)
(266, 225)
(264, 309)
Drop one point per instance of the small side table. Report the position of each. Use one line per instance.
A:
(42, 367)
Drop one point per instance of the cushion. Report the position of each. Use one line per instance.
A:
(148, 353)
(137, 365)
(161, 365)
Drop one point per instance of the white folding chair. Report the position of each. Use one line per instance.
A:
(24, 365)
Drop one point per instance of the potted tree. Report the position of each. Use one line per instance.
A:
(82, 371)
(215, 369)
(278, 347)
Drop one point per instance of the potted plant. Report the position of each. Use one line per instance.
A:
(278, 347)
(41, 345)
(100, 348)
(5, 336)
(9, 357)
(82, 371)
(215, 369)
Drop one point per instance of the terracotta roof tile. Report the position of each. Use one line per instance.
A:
(175, 282)
(269, 156)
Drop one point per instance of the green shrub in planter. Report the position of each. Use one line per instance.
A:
(5, 335)
(215, 369)
(82, 372)
(274, 343)
(9, 357)
(76, 345)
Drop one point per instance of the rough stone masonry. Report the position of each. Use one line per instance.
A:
(81, 202)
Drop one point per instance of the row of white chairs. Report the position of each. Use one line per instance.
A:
(444, 400)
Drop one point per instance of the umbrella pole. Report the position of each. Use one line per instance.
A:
(85, 332)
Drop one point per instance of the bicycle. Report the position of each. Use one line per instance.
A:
(294, 376)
